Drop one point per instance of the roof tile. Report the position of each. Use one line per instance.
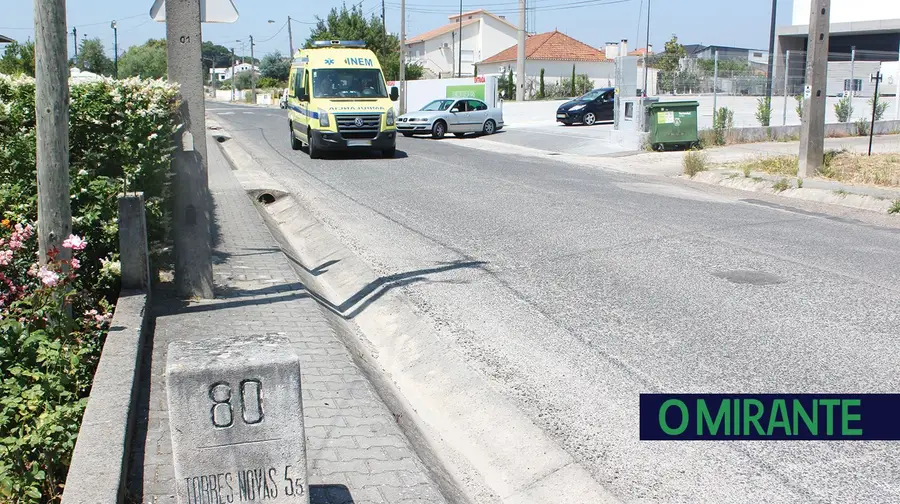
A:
(551, 46)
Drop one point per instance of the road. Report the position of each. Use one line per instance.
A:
(601, 285)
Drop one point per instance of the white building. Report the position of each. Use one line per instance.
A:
(223, 74)
(440, 50)
(555, 53)
(868, 29)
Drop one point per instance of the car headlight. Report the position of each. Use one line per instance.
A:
(389, 120)
(576, 107)
(323, 119)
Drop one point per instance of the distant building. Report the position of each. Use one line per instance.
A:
(754, 57)
(5, 40)
(223, 74)
(439, 50)
(868, 29)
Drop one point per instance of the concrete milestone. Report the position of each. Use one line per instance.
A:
(236, 419)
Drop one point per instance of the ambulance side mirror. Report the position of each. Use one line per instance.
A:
(395, 93)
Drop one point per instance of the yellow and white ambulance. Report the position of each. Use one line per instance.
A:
(338, 100)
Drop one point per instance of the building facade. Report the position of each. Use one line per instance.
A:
(443, 53)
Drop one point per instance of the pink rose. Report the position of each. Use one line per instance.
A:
(49, 278)
(74, 242)
(75, 263)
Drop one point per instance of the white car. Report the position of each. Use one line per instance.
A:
(451, 115)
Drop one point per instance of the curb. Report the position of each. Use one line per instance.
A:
(451, 413)
(735, 180)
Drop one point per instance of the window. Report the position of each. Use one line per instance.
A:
(348, 83)
(629, 110)
(856, 85)
(475, 105)
(438, 105)
(757, 55)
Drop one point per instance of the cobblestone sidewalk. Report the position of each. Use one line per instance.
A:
(356, 452)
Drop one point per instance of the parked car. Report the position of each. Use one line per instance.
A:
(588, 109)
(449, 115)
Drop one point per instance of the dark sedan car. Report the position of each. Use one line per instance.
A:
(588, 109)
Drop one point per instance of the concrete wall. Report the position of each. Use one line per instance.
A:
(420, 92)
(602, 73)
(847, 11)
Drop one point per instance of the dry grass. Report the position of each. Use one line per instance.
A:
(782, 185)
(694, 162)
(779, 165)
(877, 169)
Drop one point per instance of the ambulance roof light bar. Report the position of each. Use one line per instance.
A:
(339, 43)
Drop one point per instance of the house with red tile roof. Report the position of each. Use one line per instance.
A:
(441, 49)
(556, 53)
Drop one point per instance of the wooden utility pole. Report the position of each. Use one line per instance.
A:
(812, 128)
(252, 73)
(191, 222)
(52, 126)
(75, 39)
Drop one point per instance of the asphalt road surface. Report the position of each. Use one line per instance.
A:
(598, 286)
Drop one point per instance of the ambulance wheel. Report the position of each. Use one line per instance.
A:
(296, 144)
(314, 152)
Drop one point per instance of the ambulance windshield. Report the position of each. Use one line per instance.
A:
(348, 83)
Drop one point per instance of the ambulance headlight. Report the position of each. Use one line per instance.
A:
(323, 119)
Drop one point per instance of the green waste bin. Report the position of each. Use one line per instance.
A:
(673, 124)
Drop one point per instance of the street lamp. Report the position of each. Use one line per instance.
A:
(115, 28)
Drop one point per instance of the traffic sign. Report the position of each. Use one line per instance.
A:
(211, 11)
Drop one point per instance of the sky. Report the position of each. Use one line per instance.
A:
(719, 22)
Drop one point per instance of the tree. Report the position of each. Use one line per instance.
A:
(18, 59)
(351, 24)
(510, 85)
(273, 66)
(668, 62)
(147, 61)
(242, 80)
(573, 80)
(541, 86)
(215, 54)
(92, 57)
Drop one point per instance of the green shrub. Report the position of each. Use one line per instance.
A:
(268, 82)
(723, 120)
(895, 207)
(782, 185)
(799, 108)
(843, 109)
(764, 111)
(120, 139)
(880, 108)
(862, 126)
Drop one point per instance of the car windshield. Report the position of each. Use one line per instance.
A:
(348, 83)
(593, 95)
(438, 105)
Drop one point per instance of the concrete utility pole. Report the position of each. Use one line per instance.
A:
(897, 89)
(232, 74)
(852, 71)
(715, 84)
(52, 127)
(402, 56)
(787, 72)
(291, 38)
(193, 255)
(771, 56)
(252, 73)
(383, 25)
(459, 56)
(520, 55)
(647, 54)
(812, 129)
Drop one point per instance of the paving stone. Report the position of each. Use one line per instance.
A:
(354, 447)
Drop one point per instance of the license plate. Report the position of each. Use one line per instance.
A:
(359, 143)
(560, 116)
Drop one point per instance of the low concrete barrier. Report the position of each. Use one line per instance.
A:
(99, 466)
(763, 134)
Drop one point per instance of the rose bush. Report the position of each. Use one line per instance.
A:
(54, 318)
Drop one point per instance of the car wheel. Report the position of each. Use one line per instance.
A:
(589, 119)
(490, 127)
(439, 129)
(407, 135)
(459, 135)
(311, 147)
(389, 153)
(296, 144)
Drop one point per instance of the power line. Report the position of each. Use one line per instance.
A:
(83, 25)
(273, 36)
(549, 8)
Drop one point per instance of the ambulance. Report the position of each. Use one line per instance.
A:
(337, 99)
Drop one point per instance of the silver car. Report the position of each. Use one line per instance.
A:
(450, 115)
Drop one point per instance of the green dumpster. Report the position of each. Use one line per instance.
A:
(673, 124)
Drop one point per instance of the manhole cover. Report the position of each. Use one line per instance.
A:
(749, 277)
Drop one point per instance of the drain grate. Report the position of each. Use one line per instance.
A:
(749, 277)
